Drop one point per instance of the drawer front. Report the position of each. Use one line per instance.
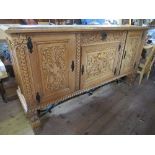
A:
(102, 37)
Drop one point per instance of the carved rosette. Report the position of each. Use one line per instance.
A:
(131, 51)
(19, 43)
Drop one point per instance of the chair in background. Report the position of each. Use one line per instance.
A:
(146, 65)
(3, 76)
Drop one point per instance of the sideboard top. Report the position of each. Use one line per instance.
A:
(69, 28)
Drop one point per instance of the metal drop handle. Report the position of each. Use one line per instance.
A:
(103, 35)
(82, 70)
(38, 97)
(29, 45)
(124, 54)
(72, 66)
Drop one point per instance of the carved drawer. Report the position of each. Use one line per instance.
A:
(102, 36)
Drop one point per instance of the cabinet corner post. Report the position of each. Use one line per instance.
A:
(34, 119)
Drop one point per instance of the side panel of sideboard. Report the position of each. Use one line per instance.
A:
(22, 67)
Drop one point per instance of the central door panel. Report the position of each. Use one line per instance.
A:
(98, 63)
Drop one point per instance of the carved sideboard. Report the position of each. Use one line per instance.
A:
(53, 63)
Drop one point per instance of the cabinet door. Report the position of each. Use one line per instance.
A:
(131, 51)
(54, 67)
(99, 63)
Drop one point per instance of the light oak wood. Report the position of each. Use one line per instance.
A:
(70, 28)
(54, 67)
(145, 67)
(131, 51)
(99, 63)
(100, 57)
(53, 55)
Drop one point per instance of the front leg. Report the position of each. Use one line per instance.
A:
(34, 119)
(131, 78)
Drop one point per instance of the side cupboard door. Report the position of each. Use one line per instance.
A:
(53, 61)
(131, 51)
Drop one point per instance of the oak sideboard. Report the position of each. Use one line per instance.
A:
(53, 63)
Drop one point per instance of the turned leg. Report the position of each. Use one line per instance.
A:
(131, 78)
(34, 119)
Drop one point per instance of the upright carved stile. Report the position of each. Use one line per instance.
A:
(19, 43)
(78, 56)
(20, 47)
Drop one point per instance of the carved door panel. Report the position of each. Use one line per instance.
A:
(131, 51)
(54, 67)
(99, 63)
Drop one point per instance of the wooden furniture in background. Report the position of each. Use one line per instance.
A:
(126, 21)
(41, 21)
(53, 63)
(3, 75)
(145, 67)
(9, 21)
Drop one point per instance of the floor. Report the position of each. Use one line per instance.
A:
(12, 117)
(13, 120)
(10, 87)
(115, 109)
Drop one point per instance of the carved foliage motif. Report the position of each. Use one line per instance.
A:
(53, 66)
(19, 43)
(93, 37)
(131, 50)
(134, 33)
(100, 60)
